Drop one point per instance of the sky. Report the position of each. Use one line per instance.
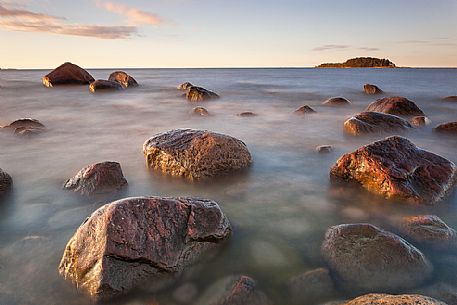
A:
(225, 33)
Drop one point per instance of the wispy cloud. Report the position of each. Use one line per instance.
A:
(134, 16)
(331, 47)
(369, 49)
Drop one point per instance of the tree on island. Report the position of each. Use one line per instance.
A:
(361, 62)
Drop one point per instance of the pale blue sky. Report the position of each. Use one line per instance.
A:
(222, 33)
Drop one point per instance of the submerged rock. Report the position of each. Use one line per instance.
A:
(336, 101)
(450, 128)
(247, 114)
(99, 178)
(371, 89)
(452, 98)
(200, 111)
(365, 258)
(198, 94)
(145, 238)
(374, 122)
(6, 182)
(185, 86)
(395, 105)
(312, 287)
(67, 74)
(101, 84)
(419, 121)
(323, 149)
(123, 79)
(305, 109)
(397, 169)
(387, 299)
(195, 154)
(26, 127)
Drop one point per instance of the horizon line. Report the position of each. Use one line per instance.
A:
(241, 67)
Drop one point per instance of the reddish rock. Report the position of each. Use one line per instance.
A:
(67, 74)
(371, 89)
(247, 114)
(452, 98)
(397, 169)
(198, 94)
(324, 149)
(6, 182)
(200, 111)
(387, 299)
(123, 79)
(450, 128)
(365, 258)
(395, 105)
(374, 122)
(419, 121)
(185, 86)
(126, 242)
(195, 154)
(305, 109)
(101, 84)
(99, 178)
(312, 287)
(336, 101)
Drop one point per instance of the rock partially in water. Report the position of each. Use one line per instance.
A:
(419, 121)
(364, 258)
(6, 182)
(101, 84)
(132, 240)
(185, 86)
(429, 230)
(387, 299)
(305, 109)
(198, 94)
(247, 114)
(123, 79)
(99, 178)
(452, 98)
(324, 149)
(26, 127)
(234, 290)
(200, 111)
(337, 101)
(395, 105)
(312, 287)
(450, 128)
(195, 154)
(67, 74)
(397, 169)
(374, 122)
(371, 89)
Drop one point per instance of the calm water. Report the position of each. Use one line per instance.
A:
(279, 209)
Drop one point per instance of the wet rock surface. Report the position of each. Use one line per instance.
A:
(336, 101)
(126, 242)
(371, 89)
(364, 258)
(101, 84)
(395, 105)
(67, 74)
(452, 98)
(312, 287)
(195, 154)
(198, 94)
(26, 127)
(449, 128)
(324, 149)
(304, 109)
(123, 79)
(6, 182)
(185, 86)
(397, 169)
(200, 111)
(386, 299)
(99, 178)
(419, 121)
(374, 122)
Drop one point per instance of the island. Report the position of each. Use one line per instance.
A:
(361, 62)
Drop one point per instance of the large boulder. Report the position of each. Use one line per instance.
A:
(99, 178)
(395, 105)
(371, 89)
(397, 169)
(374, 122)
(198, 94)
(195, 154)
(312, 287)
(67, 74)
(364, 258)
(450, 128)
(123, 79)
(6, 182)
(101, 84)
(336, 101)
(145, 238)
(387, 299)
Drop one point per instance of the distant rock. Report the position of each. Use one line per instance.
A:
(386, 299)
(452, 98)
(123, 79)
(395, 105)
(305, 109)
(336, 101)
(312, 287)
(67, 74)
(200, 111)
(6, 182)
(364, 258)
(195, 154)
(185, 86)
(450, 128)
(361, 62)
(419, 121)
(247, 114)
(198, 94)
(99, 178)
(374, 122)
(126, 242)
(397, 169)
(101, 84)
(371, 89)
(324, 149)
(26, 127)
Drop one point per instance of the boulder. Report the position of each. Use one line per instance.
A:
(336, 101)
(312, 287)
(198, 94)
(371, 89)
(123, 79)
(126, 242)
(304, 109)
(99, 178)
(374, 122)
(195, 154)
(449, 128)
(452, 98)
(419, 121)
(247, 114)
(67, 74)
(200, 111)
(395, 105)
(364, 258)
(26, 127)
(397, 169)
(428, 230)
(6, 182)
(185, 86)
(387, 299)
(101, 84)
(323, 149)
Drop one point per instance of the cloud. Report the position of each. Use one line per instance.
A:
(369, 49)
(134, 15)
(14, 19)
(331, 47)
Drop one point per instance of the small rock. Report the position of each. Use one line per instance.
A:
(305, 109)
(6, 182)
(312, 287)
(419, 121)
(450, 128)
(123, 79)
(247, 114)
(26, 127)
(452, 98)
(336, 101)
(387, 299)
(374, 122)
(395, 105)
(67, 74)
(101, 84)
(185, 86)
(323, 149)
(371, 89)
(200, 111)
(185, 293)
(198, 94)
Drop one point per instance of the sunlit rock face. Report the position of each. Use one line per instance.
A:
(364, 258)
(200, 111)
(185, 86)
(312, 287)
(132, 240)
(104, 85)
(99, 178)
(336, 101)
(123, 79)
(374, 122)
(195, 154)
(395, 105)
(6, 182)
(386, 299)
(198, 94)
(397, 169)
(371, 89)
(67, 74)
(419, 121)
(449, 128)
